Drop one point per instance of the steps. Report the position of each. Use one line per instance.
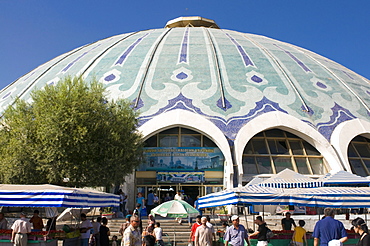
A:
(171, 229)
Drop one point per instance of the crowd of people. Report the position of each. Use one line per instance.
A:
(137, 232)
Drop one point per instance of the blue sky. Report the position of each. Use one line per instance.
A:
(35, 31)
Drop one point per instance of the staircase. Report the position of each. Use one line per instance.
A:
(172, 231)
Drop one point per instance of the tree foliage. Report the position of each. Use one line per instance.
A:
(72, 131)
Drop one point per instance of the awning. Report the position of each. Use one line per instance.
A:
(54, 196)
(290, 179)
(343, 178)
(339, 197)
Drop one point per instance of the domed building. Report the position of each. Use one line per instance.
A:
(219, 107)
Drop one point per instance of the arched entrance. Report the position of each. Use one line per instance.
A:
(180, 159)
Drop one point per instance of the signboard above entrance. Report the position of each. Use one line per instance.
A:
(180, 177)
(182, 159)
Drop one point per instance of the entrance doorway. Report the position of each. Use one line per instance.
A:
(191, 193)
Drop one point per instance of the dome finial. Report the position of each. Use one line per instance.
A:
(192, 21)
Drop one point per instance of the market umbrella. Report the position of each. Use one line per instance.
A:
(175, 209)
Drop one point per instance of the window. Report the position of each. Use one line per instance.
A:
(179, 137)
(275, 150)
(359, 156)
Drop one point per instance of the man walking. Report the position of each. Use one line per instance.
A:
(203, 234)
(132, 234)
(329, 229)
(20, 229)
(85, 229)
(236, 233)
(261, 232)
(194, 229)
(150, 201)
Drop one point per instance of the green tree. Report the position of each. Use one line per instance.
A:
(72, 131)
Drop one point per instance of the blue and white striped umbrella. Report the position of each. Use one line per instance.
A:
(54, 196)
(340, 197)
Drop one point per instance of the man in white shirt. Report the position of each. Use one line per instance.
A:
(20, 229)
(85, 228)
(158, 234)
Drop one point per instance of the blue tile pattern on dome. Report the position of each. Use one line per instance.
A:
(339, 115)
(184, 47)
(65, 69)
(300, 63)
(127, 52)
(246, 59)
(227, 104)
(257, 75)
(229, 127)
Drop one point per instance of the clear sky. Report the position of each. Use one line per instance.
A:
(35, 31)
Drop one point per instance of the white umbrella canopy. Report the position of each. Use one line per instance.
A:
(54, 196)
(175, 209)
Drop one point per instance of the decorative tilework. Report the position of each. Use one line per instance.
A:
(247, 60)
(127, 52)
(229, 127)
(256, 78)
(184, 50)
(339, 115)
(300, 63)
(227, 104)
(65, 69)
(181, 75)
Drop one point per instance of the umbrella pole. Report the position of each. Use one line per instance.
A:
(174, 235)
(246, 218)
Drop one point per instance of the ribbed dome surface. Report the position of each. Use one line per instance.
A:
(226, 76)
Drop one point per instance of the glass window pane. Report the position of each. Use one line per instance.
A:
(351, 151)
(367, 164)
(259, 146)
(208, 142)
(260, 134)
(296, 147)
(248, 149)
(264, 164)
(290, 135)
(282, 163)
(357, 167)
(310, 150)
(249, 165)
(317, 165)
(171, 131)
(151, 142)
(278, 147)
(363, 149)
(168, 141)
(190, 141)
(359, 139)
(302, 165)
(274, 133)
(188, 131)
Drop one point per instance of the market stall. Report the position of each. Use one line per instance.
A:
(50, 196)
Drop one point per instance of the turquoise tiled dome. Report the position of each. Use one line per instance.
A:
(226, 76)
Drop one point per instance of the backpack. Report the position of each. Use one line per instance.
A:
(269, 234)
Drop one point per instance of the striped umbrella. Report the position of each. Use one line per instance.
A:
(54, 196)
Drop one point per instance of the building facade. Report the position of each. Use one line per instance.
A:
(219, 107)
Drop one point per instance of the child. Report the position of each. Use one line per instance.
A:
(158, 234)
(114, 241)
(299, 234)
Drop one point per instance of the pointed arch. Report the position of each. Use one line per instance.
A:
(343, 135)
(186, 119)
(287, 123)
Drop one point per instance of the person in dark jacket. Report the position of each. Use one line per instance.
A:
(360, 227)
